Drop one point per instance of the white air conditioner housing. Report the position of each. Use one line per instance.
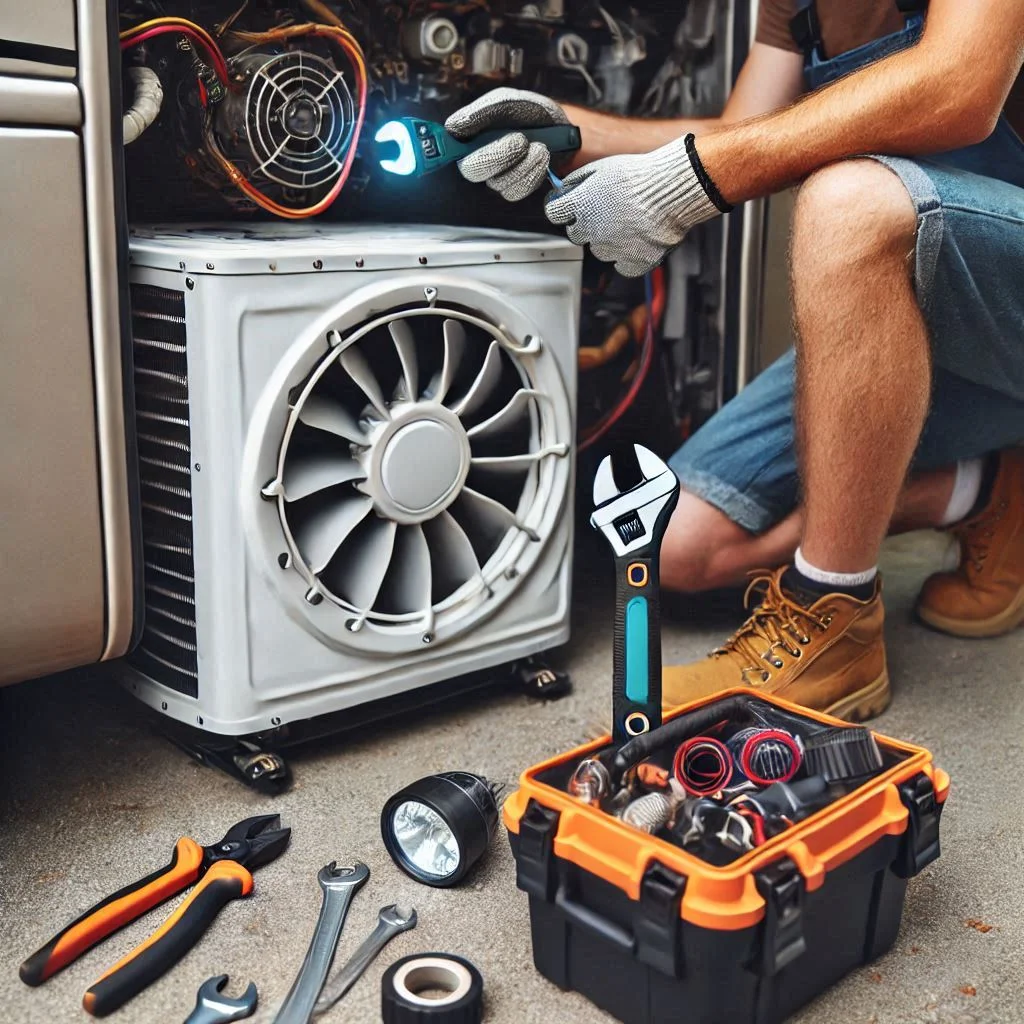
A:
(356, 462)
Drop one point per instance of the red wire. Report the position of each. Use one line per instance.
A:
(216, 58)
(603, 425)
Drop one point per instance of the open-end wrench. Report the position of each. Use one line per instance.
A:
(339, 885)
(391, 921)
(214, 1008)
(633, 522)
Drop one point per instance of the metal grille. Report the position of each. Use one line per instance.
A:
(167, 651)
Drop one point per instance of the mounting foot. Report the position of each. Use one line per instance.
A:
(538, 680)
(263, 770)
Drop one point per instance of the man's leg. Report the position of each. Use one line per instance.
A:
(863, 359)
(704, 549)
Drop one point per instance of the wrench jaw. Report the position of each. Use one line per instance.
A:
(212, 1007)
(333, 877)
(634, 520)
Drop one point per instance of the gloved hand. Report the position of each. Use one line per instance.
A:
(631, 210)
(510, 165)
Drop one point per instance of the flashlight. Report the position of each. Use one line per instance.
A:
(438, 827)
(418, 147)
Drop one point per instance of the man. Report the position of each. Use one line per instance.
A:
(907, 274)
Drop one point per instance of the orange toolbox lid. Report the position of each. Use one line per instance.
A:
(726, 898)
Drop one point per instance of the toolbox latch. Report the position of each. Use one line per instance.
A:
(921, 840)
(535, 869)
(657, 923)
(783, 889)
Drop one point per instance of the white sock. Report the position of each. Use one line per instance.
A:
(966, 488)
(833, 579)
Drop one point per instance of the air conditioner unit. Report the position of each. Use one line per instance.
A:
(356, 457)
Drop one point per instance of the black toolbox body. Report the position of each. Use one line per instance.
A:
(642, 961)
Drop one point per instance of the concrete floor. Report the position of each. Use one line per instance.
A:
(92, 799)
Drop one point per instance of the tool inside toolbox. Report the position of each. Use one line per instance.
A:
(727, 777)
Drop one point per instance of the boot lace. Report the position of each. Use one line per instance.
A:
(976, 535)
(778, 623)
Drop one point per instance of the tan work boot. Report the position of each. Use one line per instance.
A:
(985, 595)
(829, 655)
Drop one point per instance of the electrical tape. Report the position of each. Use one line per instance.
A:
(456, 990)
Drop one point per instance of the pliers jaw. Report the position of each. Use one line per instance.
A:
(251, 843)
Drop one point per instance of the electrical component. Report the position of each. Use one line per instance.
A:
(765, 756)
(431, 38)
(438, 827)
(590, 781)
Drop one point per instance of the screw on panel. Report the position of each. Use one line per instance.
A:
(511, 572)
(430, 294)
(189, 283)
(198, 467)
(275, 720)
(273, 266)
(209, 266)
(427, 638)
(318, 264)
(284, 560)
(423, 261)
(497, 255)
(163, 705)
(360, 263)
(181, 264)
(199, 719)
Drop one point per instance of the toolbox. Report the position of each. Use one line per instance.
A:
(652, 933)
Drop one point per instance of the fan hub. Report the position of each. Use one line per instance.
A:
(302, 117)
(418, 463)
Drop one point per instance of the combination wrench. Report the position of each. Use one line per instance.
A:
(391, 921)
(214, 1008)
(339, 885)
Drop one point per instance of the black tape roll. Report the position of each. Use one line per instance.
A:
(436, 973)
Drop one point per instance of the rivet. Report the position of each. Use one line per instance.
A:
(497, 255)
(273, 266)
(198, 467)
(511, 572)
(318, 264)
(181, 264)
(163, 705)
(209, 266)
(359, 262)
(199, 719)
(275, 720)
(189, 283)
(423, 261)
(427, 638)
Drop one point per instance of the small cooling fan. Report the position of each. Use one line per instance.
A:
(412, 465)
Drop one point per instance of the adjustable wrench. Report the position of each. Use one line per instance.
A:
(339, 885)
(391, 921)
(633, 522)
(214, 1008)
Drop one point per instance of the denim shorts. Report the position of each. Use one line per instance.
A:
(969, 279)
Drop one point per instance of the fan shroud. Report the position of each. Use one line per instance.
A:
(447, 380)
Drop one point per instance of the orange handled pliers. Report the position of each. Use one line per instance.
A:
(222, 871)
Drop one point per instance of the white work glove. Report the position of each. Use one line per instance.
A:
(631, 210)
(510, 165)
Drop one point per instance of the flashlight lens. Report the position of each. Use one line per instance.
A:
(425, 839)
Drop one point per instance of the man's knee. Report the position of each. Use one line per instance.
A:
(851, 214)
(691, 552)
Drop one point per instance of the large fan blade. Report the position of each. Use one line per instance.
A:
(485, 383)
(454, 344)
(366, 566)
(307, 474)
(405, 343)
(320, 536)
(492, 517)
(452, 551)
(516, 463)
(325, 414)
(355, 364)
(407, 588)
(507, 417)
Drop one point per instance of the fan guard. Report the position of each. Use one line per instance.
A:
(414, 458)
(299, 119)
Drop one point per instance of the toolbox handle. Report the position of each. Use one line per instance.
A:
(592, 922)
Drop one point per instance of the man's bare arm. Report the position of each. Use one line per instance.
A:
(944, 93)
(770, 79)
